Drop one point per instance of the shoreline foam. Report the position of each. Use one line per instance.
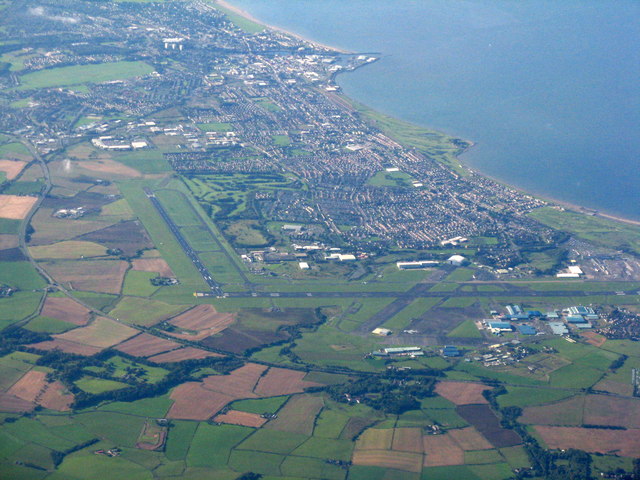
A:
(561, 203)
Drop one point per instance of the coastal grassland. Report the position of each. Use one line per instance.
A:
(82, 74)
(243, 23)
(432, 143)
(603, 231)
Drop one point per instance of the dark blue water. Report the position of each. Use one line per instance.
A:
(549, 91)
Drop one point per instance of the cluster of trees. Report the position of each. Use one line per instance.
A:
(394, 392)
(68, 368)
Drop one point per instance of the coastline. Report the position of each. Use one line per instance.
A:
(552, 201)
(248, 16)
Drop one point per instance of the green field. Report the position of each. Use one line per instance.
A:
(390, 179)
(83, 74)
(49, 325)
(212, 444)
(596, 229)
(138, 283)
(262, 405)
(21, 275)
(140, 311)
(466, 329)
(98, 385)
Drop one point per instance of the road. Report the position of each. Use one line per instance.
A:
(216, 288)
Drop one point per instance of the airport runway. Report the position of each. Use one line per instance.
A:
(216, 289)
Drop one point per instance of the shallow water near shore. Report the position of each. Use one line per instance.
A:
(547, 90)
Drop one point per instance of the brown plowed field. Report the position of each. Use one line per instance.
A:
(593, 338)
(64, 308)
(129, 236)
(246, 419)
(187, 353)
(488, 424)
(410, 462)
(279, 381)
(469, 439)
(564, 412)
(15, 207)
(34, 389)
(29, 386)
(108, 166)
(9, 403)
(92, 275)
(298, 415)
(605, 410)
(55, 398)
(158, 265)
(65, 346)
(8, 241)
(192, 402)
(203, 319)
(11, 168)
(625, 389)
(625, 443)
(202, 400)
(375, 439)
(407, 440)
(101, 333)
(145, 345)
(462, 393)
(442, 450)
(239, 383)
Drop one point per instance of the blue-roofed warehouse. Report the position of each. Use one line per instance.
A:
(450, 351)
(526, 330)
(576, 319)
(497, 327)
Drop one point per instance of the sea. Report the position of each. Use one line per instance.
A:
(548, 90)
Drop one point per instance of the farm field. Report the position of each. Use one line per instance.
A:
(15, 207)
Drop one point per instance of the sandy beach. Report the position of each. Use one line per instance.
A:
(248, 16)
